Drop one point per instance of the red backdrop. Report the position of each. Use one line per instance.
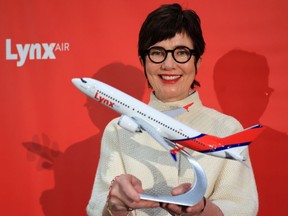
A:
(50, 131)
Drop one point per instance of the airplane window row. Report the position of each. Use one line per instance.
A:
(108, 96)
(173, 129)
(143, 114)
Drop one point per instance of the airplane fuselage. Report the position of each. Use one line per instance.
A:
(161, 125)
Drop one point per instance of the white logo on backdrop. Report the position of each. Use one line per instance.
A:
(36, 51)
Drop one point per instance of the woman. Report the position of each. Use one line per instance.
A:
(170, 49)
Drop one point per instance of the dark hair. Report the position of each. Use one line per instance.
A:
(164, 23)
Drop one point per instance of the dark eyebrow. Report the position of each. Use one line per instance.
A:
(160, 47)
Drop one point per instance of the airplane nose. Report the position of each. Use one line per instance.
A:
(76, 81)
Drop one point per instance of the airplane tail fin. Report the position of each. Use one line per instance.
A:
(241, 138)
(245, 136)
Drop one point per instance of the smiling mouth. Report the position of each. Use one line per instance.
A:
(170, 77)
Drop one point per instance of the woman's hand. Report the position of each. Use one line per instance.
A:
(124, 195)
(183, 210)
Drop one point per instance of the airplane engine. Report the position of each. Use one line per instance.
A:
(129, 124)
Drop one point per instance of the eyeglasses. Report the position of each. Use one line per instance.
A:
(181, 54)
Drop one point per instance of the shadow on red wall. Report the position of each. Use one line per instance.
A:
(75, 169)
(241, 84)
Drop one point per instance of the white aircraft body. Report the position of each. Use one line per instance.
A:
(173, 135)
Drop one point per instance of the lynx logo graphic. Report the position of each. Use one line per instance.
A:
(33, 51)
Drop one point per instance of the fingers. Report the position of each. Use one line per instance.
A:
(181, 189)
(180, 210)
(129, 187)
(124, 194)
(172, 208)
(137, 184)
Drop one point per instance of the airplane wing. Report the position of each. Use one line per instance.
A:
(154, 134)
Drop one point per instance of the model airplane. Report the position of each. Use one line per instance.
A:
(173, 135)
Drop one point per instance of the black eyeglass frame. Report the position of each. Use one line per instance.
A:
(191, 51)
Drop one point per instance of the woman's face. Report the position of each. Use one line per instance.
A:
(170, 80)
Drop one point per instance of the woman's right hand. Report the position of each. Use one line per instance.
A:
(124, 195)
